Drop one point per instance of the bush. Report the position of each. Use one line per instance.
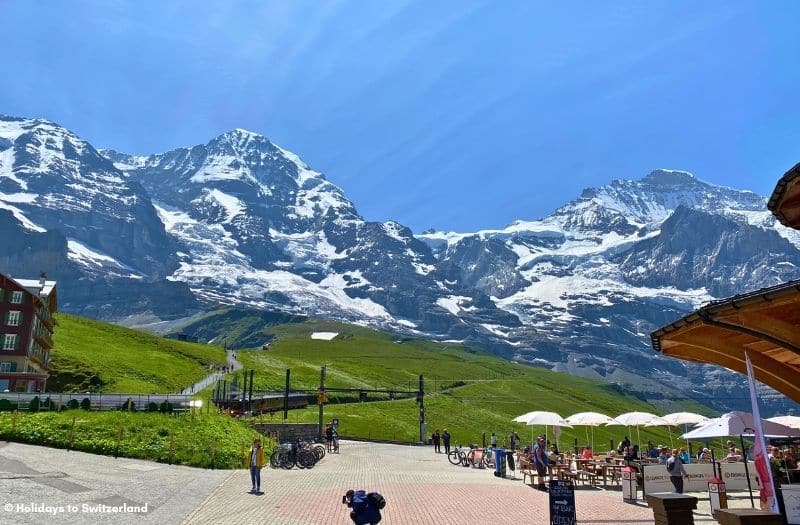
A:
(166, 408)
(73, 404)
(86, 404)
(33, 406)
(145, 435)
(152, 406)
(7, 406)
(128, 405)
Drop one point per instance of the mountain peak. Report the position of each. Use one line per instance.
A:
(665, 177)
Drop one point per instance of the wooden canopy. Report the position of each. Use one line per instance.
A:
(785, 200)
(765, 323)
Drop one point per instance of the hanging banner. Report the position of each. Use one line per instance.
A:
(767, 490)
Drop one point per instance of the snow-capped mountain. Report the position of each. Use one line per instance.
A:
(239, 220)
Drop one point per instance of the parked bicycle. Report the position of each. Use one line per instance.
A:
(300, 453)
(474, 457)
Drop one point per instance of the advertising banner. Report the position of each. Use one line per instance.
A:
(734, 476)
(656, 478)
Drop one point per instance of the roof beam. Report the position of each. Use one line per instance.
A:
(780, 376)
(706, 318)
(767, 325)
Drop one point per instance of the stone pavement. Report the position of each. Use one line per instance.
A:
(43, 485)
(420, 488)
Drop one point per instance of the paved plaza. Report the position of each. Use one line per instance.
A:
(420, 488)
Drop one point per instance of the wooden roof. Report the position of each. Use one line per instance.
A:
(765, 323)
(785, 200)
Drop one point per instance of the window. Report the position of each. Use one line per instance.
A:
(7, 366)
(13, 318)
(16, 297)
(10, 342)
(2, 292)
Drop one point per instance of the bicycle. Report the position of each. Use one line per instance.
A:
(477, 457)
(456, 456)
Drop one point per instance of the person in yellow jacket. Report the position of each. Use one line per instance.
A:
(255, 460)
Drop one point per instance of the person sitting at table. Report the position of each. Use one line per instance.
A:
(652, 451)
(734, 455)
(587, 452)
(663, 455)
(684, 455)
(525, 458)
(704, 455)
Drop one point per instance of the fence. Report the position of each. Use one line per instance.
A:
(95, 401)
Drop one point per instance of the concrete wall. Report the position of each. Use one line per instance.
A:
(288, 431)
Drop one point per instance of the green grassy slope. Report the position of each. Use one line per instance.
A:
(471, 392)
(92, 356)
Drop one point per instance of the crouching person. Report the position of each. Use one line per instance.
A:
(366, 507)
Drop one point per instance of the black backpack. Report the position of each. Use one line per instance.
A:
(378, 501)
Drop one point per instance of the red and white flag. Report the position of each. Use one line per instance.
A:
(760, 457)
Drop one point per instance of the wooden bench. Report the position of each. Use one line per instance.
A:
(529, 474)
(588, 476)
(535, 478)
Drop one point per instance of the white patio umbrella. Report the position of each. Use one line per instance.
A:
(679, 418)
(539, 417)
(589, 419)
(636, 419)
(738, 424)
(788, 421)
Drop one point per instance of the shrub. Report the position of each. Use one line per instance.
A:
(152, 406)
(86, 404)
(72, 404)
(33, 406)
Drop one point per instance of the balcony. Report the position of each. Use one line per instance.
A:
(42, 359)
(44, 340)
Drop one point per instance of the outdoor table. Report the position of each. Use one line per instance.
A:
(747, 517)
(557, 469)
(670, 508)
(609, 468)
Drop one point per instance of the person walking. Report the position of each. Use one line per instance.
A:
(676, 471)
(540, 461)
(436, 438)
(493, 440)
(446, 440)
(255, 460)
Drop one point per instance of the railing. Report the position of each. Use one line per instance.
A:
(98, 401)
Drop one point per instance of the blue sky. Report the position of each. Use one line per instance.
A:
(456, 115)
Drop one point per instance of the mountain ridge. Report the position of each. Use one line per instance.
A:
(240, 221)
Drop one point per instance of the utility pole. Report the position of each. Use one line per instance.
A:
(421, 396)
(321, 400)
(250, 402)
(286, 396)
(244, 392)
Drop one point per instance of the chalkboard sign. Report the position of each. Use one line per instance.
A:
(562, 502)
